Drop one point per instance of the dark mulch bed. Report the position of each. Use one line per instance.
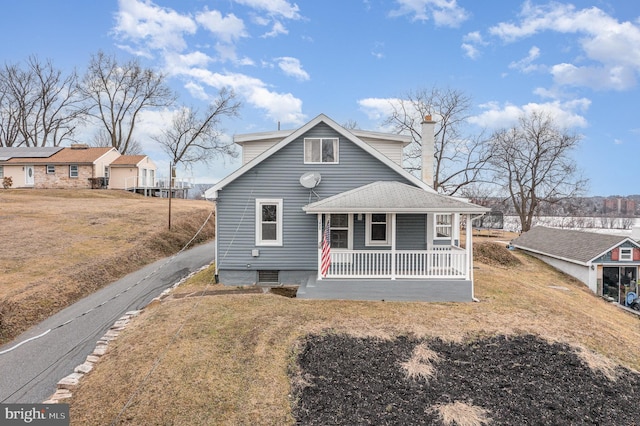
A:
(520, 380)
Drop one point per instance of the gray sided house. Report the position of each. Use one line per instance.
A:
(607, 264)
(391, 236)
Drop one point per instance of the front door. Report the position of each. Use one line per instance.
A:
(29, 178)
(618, 281)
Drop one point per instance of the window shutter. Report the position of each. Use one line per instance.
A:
(636, 254)
(615, 254)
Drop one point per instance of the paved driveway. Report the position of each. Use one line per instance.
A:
(30, 372)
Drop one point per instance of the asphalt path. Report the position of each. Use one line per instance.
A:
(29, 373)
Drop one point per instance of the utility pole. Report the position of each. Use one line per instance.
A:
(170, 190)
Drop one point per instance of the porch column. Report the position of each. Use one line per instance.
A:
(469, 246)
(319, 243)
(393, 246)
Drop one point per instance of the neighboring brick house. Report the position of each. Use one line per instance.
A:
(78, 166)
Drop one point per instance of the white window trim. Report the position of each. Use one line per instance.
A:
(77, 171)
(628, 254)
(368, 223)
(1, 172)
(269, 201)
(436, 226)
(53, 169)
(336, 151)
(349, 233)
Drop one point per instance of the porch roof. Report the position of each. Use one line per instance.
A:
(391, 197)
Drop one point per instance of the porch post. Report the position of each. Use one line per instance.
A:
(469, 246)
(393, 246)
(319, 243)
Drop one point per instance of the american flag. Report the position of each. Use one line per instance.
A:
(325, 261)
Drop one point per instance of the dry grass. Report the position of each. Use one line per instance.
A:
(230, 363)
(60, 245)
(461, 414)
(420, 365)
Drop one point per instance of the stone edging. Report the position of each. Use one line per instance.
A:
(66, 385)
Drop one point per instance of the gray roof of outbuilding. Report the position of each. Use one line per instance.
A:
(7, 153)
(576, 246)
(389, 197)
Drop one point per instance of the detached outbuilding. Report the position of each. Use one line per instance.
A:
(607, 264)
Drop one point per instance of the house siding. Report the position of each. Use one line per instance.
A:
(393, 150)
(61, 179)
(277, 177)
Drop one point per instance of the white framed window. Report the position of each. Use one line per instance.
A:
(321, 150)
(1, 172)
(378, 229)
(73, 170)
(106, 172)
(443, 226)
(268, 222)
(626, 253)
(341, 231)
(51, 169)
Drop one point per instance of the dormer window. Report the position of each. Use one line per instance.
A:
(320, 150)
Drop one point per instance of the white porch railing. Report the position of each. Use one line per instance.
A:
(132, 182)
(450, 262)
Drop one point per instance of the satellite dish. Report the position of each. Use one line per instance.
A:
(310, 179)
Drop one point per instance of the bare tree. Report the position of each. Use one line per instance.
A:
(193, 137)
(458, 158)
(532, 164)
(118, 92)
(39, 106)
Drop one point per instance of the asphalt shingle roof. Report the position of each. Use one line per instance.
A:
(580, 246)
(128, 160)
(385, 197)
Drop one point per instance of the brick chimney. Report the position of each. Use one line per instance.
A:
(428, 144)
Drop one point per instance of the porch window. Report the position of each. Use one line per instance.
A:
(341, 231)
(73, 170)
(443, 226)
(377, 230)
(320, 150)
(626, 253)
(269, 222)
(51, 169)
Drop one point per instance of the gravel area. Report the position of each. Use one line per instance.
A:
(521, 380)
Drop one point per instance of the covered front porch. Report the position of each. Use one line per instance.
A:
(392, 241)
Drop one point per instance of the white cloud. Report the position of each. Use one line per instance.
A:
(471, 42)
(144, 23)
(377, 108)
(610, 49)
(228, 28)
(292, 67)
(445, 13)
(283, 107)
(526, 65)
(470, 51)
(597, 77)
(566, 114)
(281, 8)
(276, 30)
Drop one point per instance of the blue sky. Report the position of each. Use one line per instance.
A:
(290, 61)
